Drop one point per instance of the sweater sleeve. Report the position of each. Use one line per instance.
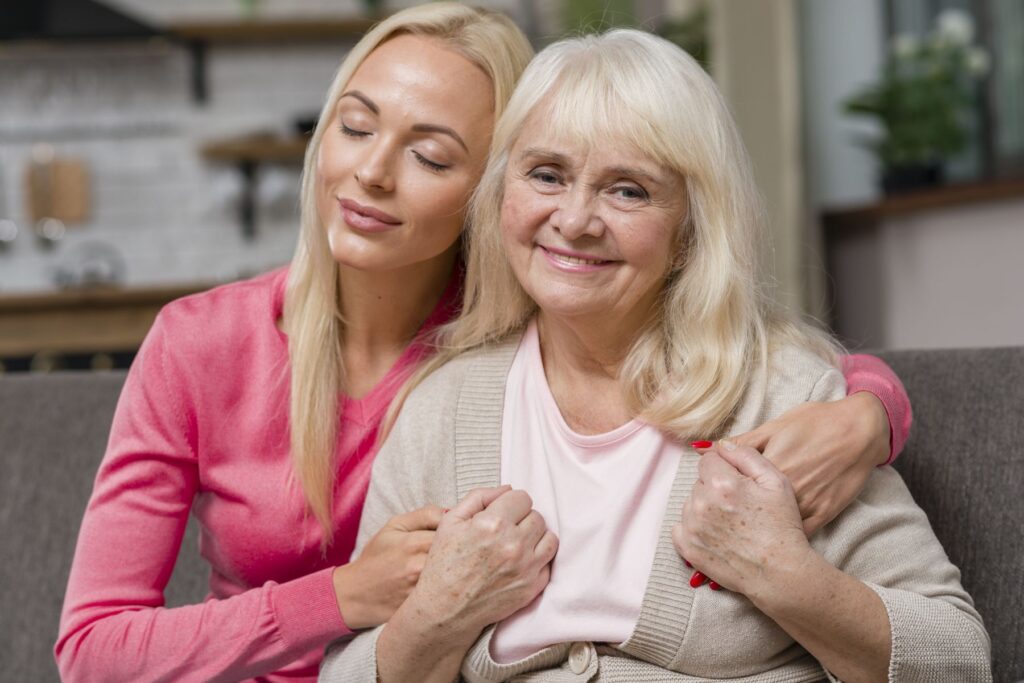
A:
(114, 626)
(871, 374)
(936, 634)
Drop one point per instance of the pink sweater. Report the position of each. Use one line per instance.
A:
(202, 425)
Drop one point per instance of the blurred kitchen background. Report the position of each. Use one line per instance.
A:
(150, 149)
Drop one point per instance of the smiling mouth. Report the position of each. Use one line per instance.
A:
(574, 261)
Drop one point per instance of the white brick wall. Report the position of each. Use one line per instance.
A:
(127, 111)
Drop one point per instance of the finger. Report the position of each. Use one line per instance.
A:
(756, 438)
(714, 467)
(746, 461)
(701, 446)
(697, 580)
(533, 528)
(476, 501)
(427, 517)
(546, 548)
(512, 506)
(420, 541)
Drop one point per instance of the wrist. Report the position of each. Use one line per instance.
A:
(424, 621)
(780, 584)
(879, 435)
(348, 593)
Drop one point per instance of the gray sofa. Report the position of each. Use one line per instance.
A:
(964, 464)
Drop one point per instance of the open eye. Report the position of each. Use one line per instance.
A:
(545, 176)
(630, 192)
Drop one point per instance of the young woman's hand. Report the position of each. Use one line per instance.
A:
(491, 557)
(826, 450)
(371, 588)
(741, 521)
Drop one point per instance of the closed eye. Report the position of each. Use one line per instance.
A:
(432, 165)
(352, 132)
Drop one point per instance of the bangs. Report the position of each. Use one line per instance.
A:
(596, 105)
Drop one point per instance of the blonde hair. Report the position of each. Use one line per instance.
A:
(687, 372)
(312, 319)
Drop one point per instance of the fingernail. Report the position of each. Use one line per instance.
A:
(714, 586)
(446, 510)
(687, 563)
(700, 444)
(728, 445)
(697, 580)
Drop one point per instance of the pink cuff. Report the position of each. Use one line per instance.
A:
(307, 611)
(871, 374)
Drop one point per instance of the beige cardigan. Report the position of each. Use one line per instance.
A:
(447, 441)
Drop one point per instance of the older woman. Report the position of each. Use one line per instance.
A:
(612, 316)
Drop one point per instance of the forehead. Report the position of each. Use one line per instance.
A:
(421, 75)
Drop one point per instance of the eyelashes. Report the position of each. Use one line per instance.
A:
(420, 159)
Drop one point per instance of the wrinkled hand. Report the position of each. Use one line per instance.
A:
(371, 588)
(491, 557)
(741, 521)
(826, 450)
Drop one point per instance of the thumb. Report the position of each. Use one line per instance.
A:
(424, 519)
(476, 501)
(746, 460)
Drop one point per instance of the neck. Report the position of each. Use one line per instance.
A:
(383, 310)
(582, 362)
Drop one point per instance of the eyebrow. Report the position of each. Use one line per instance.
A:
(362, 98)
(418, 128)
(563, 160)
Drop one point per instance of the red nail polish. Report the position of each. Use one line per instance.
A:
(687, 563)
(697, 580)
(714, 586)
(701, 444)
(446, 510)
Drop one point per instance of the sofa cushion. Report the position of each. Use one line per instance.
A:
(964, 463)
(53, 431)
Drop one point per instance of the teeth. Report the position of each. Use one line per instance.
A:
(576, 260)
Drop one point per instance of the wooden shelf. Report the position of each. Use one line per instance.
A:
(260, 31)
(946, 196)
(257, 149)
(83, 321)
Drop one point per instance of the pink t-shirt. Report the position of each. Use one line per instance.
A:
(202, 425)
(603, 495)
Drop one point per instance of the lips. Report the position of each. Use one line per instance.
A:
(366, 218)
(574, 261)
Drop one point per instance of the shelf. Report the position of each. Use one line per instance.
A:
(101, 319)
(945, 196)
(259, 31)
(198, 36)
(257, 149)
(248, 153)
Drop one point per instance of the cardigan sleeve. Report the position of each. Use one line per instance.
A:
(413, 468)
(871, 374)
(936, 634)
(114, 626)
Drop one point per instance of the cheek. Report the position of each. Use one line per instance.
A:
(521, 215)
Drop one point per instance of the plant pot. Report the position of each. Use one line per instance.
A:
(909, 177)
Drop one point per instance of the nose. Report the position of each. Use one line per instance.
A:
(374, 170)
(576, 215)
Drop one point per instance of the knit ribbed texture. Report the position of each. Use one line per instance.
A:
(682, 634)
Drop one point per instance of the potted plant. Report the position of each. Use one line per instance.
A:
(922, 101)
